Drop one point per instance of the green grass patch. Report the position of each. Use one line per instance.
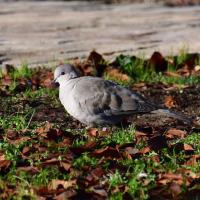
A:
(36, 113)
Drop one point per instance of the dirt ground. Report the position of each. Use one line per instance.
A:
(187, 101)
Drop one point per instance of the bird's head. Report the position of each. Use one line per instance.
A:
(64, 73)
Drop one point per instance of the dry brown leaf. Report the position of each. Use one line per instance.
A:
(2, 156)
(44, 191)
(7, 80)
(93, 132)
(100, 192)
(95, 58)
(12, 134)
(158, 62)
(197, 68)
(164, 179)
(139, 86)
(55, 183)
(155, 159)
(175, 133)
(44, 129)
(139, 133)
(20, 140)
(7, 69)
(117, 74)
(26, 150)
(85, 148)
(65, 165)
(188, 147)
(175, 189)
(4, 164)
(184, 71)
(66, 142)
(108, 152)
(98, 62)
(171, 74)
(145, 150)
(168, 178)
(66, 195)
(52, 161)
(170, 102)
(97, 173)
(29, 169)
(131, 150)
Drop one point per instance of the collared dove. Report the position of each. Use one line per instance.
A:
(95, 101)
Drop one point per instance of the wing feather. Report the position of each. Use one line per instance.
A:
(110, 98)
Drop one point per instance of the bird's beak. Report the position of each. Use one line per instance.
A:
(55, 84)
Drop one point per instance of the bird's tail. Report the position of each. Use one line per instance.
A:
(176, 115)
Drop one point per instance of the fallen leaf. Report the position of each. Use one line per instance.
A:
(157, 142)
(188, 147)
(44, 192)
(52, 161)
(100, 192)
(164, 179)
(12, 134)
(88, 147)
(2, 156)
(197, 68)
(7, 80)
(95, 58)
(117, 74)
(131, 150)
(55, 183)
(108, 152)
(66, 195)
(156, 159)
(66, 142)
(184, 71)
(4, 165)
(65, 165)
(175, 133)
(29, 169)
(178, 147)
(93, 132)
(175, 189)
(44, 129)
(158, 62)
(26, 150)
(172, 74)
(170, 102)
(139, 133)
(20, 140)
(98, 172)
(145, 150)
(188, 66)
(7, 69)
(193, 160)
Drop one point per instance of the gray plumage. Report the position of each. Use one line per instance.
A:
(95, 101)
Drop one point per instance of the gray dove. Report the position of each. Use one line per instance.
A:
(95, 101)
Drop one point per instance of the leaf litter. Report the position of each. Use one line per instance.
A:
(157, 162)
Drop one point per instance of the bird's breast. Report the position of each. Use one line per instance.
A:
(70, 103)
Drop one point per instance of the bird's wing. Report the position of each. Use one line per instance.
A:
(101, 96)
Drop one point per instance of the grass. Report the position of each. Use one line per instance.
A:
(135, 176)
(121, 136)
(139, 70)
(84, 160)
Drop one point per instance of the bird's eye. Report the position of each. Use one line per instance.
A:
(62, 73)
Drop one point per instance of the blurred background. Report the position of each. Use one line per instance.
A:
(46, 31)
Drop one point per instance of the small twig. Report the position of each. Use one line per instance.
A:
(23, 180)
(29, 122)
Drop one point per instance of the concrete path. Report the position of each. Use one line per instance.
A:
(40, 32)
